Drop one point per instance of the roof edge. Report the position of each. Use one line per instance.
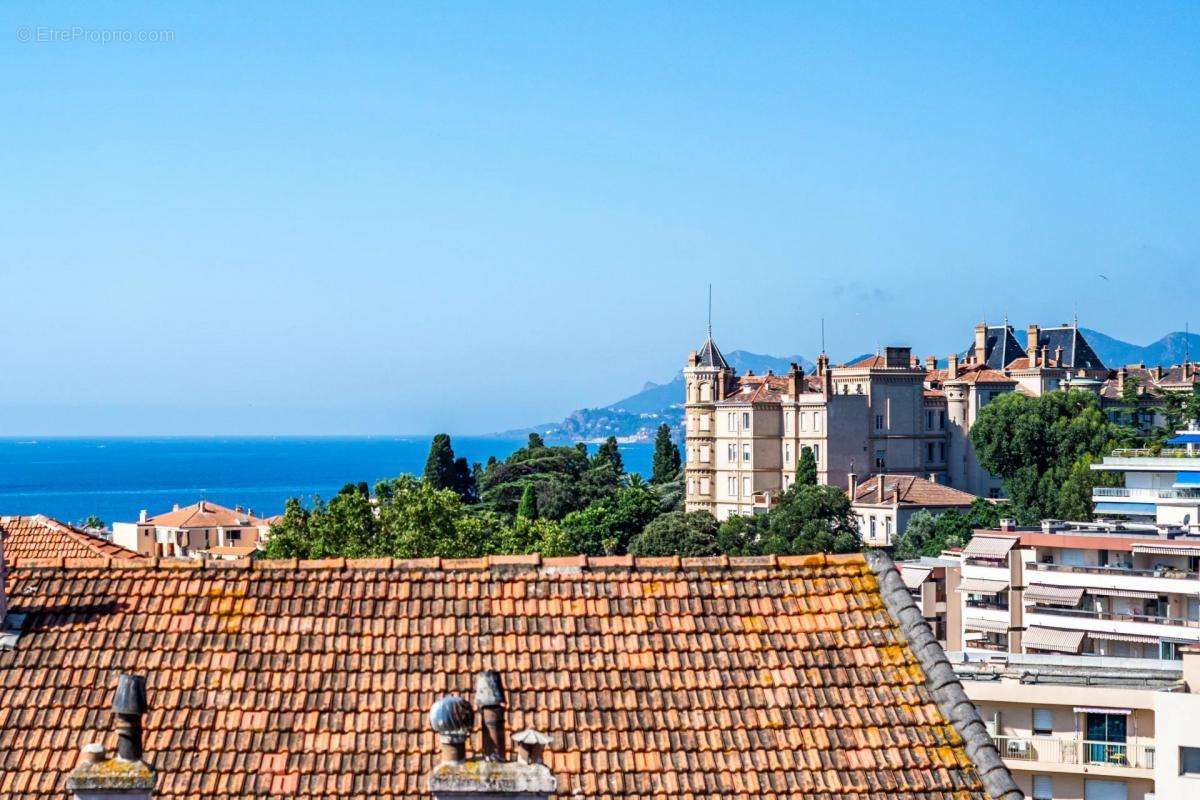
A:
(532, 562)
(941, 680)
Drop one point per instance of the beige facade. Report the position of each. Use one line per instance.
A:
(1072, 728)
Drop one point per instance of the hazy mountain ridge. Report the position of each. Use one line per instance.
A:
(636, 417)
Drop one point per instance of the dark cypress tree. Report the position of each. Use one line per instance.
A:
(528, 507)
(364, 489)
(535, 441)
(439, 466)
(464, 481)
(666, 456)
(806, 468)
(581, 448)
(610, 453)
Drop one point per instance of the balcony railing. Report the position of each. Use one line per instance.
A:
(1052, 750)
(1144, 452)
(1145, 494)
(1114, 616)
(1161, 572)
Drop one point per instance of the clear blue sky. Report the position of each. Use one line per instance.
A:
(402, 218)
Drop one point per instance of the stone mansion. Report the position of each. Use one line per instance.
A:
(887, 413)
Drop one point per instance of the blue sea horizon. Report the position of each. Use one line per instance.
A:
(70, 478)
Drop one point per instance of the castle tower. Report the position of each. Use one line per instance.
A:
(707, 379)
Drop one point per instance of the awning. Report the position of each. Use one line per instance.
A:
(987, 625)
(1166, 549)
(1185, 438)
(994, 547)
(1124, 712)
(914, 576)
(1187, 480)
(1054, 595)
(1125, 637)
(1053, 639)
(982, 586)
(1132, 509)
(1131, 593)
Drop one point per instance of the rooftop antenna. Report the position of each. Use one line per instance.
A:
(710, 311)
(1187, 343)
(822, 335)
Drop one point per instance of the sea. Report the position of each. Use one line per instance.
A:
(115, 478)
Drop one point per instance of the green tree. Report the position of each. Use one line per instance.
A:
(610, 453)
(418, 521)
(809, 519)
(678, 533)
(806, 468)
(528, 507)
(666, 461)
(606, 526)
(93, 522)
(1033, 444)
(917, 535)
(535, 441)
(439, 465)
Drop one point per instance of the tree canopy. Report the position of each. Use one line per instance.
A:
(806, 467)
(1040, 448)
(666, 456)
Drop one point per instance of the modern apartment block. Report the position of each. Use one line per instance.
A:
(1072, 728)
(1104, 589)
(1161, 487)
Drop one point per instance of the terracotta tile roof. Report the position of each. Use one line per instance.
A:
(869, 362)
(738, 678)
(979, 374)
(758, 389)
(204, 514)
(43, 537)
(913, 491)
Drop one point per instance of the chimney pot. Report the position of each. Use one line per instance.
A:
(930, 363)
(952, 366)
(879, 486)
(489, 697)
(94, 753)
(1007, 524)
(143, 515)
(981, 343)
(129, 704)
(176, 507)
(852, 480)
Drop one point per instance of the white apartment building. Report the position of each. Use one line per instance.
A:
(1105, 589)
(1091, 728)
(1161, 488)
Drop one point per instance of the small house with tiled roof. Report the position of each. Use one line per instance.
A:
(883, 504)
(805, 678)
(202, 530)
(39, 536)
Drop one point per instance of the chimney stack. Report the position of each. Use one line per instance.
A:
(1158, 372)
(930, 363)
(879, 486)
(1032, 334)
(1058, 356)
(1121, 379)
(143, 516)
(1008, 524)
(822, 364)
(981, 343)
(126, 777)
(852, 484)
(952, 367)
(533, 744)
(795, 380)
(489, 697)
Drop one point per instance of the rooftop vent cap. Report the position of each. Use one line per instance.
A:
(533, 744)
(452, 718)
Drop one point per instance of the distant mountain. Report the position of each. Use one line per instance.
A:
(636, 417)
(1167, 351)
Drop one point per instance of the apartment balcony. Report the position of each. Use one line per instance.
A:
(1160, 580)
(1101, 493)
(1109, 616)
(1075, 755)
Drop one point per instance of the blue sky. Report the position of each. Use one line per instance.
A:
(402, 218)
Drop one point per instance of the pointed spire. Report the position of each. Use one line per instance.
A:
(709, 355)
